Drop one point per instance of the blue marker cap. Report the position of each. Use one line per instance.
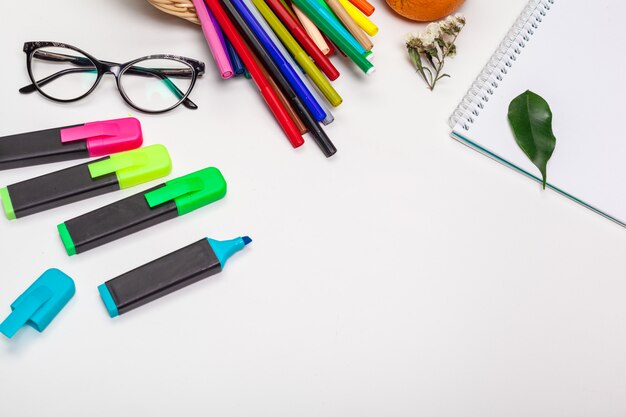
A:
(40, 303)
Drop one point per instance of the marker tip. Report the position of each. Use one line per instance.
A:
(246, 240)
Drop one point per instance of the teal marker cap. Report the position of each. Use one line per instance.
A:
(224, 249)
(40, 303)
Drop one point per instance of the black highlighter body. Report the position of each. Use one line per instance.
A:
(113, 222)
(160, 277)
(41, 147)
(59, 188)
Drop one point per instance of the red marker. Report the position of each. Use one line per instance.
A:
(272, 100)
(303, 38)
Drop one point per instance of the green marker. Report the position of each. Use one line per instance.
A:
(140, 211)
(80, 182)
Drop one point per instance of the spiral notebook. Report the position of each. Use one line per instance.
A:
(569, 52)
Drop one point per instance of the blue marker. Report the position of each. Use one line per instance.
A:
(288, 72)
(168, 274)
(235, 61)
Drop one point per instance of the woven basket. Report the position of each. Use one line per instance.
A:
(181, 8)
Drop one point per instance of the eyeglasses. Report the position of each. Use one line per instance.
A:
(152, 84)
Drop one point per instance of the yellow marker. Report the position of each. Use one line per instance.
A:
(360, 19)
(299, 54)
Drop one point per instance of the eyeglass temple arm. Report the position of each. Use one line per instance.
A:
(31, 87)
(161, 74)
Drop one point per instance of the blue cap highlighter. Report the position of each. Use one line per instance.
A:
(168, 274)
(40, 303)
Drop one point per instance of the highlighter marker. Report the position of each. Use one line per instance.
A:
(67, 143)
(168, 274)
(80, 182)
(141, 211)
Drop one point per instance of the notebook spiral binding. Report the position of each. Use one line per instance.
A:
(498, 66)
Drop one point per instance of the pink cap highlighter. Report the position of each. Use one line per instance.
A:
(87, 140)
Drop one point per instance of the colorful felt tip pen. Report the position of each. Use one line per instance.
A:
(287, 70)
(238, 67)
(364, 6)
(277, 30)
(336, 32)
(280, 113)
(213, 40)
(350, 24)
(80, 182)
(301, 36)
(85, 140)
(141, 211)
(306, 81)
(322, 140)
(168, 274)
(360, 19)
(313, 32)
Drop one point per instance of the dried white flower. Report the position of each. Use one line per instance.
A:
(429, 49)
(411, 36)
(432, 32)
(433, 28)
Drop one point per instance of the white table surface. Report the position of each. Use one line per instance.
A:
(406, 276)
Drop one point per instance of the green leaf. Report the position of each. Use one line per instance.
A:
(530, 118)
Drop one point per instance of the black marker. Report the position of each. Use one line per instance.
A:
(88, 140)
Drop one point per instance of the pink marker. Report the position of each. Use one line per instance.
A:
(212, 36)
(86, 140)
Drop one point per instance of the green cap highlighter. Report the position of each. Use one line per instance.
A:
(141, 211)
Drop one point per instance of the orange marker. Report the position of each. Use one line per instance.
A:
(364, 6)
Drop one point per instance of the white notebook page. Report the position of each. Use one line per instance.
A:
(575, 60)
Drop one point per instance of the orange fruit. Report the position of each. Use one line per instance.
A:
(424, 10)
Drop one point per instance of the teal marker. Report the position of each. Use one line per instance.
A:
(167, 274)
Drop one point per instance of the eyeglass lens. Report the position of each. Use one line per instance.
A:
(156, 84)
(62, 73)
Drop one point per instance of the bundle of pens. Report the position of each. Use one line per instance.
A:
(284, 48)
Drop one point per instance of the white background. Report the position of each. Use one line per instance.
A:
(406, 276)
